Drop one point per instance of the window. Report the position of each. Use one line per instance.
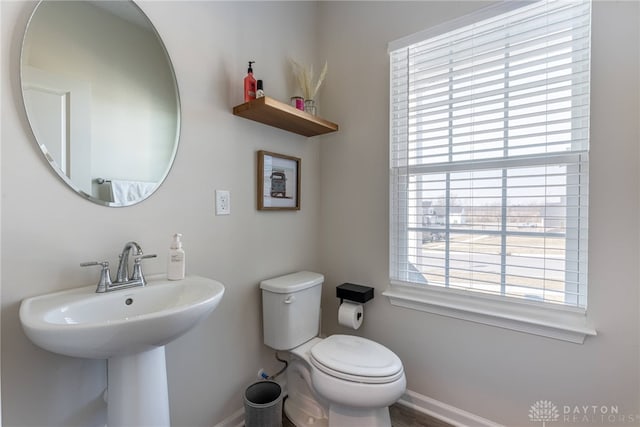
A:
(489, 157)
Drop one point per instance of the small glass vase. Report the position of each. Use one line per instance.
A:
(310, 106)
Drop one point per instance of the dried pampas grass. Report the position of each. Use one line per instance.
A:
(304, 76)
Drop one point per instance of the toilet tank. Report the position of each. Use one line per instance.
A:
(291, 309)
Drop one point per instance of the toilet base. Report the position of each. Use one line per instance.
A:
(305, 413)
(302, 406)
(344, 416)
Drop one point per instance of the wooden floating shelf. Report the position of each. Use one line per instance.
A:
(283, 116)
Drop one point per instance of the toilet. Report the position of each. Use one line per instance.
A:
(341, 380)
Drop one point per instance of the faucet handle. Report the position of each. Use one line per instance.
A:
(141, 257)
(91, 263)
(105, 275)
(137, 267)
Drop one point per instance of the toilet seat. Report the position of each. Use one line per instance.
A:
(356, 359)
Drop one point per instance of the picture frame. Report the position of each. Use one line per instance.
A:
(278, 181)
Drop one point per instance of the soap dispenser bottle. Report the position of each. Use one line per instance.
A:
(249, 84)
(176, 261)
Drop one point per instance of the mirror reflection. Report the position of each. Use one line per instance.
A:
(101, 98)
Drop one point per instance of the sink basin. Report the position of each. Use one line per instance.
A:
(82, 323)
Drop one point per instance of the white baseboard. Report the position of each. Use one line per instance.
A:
(443, 412)
(415, 401)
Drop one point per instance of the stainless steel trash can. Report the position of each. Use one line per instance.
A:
(263, 405)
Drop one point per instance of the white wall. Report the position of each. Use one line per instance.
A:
(492, 372)
(50, 230)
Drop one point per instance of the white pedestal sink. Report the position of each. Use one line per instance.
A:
(130, 328)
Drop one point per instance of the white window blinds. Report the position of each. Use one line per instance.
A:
(489, 147)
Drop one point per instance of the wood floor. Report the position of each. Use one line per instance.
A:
(401, 416)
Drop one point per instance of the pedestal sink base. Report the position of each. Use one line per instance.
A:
(137, 390)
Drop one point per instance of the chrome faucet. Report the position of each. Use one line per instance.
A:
(123, 266)
(123, 280)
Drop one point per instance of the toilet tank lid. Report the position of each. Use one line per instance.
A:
(293, 282)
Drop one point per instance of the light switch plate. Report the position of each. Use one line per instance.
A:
(223, 202)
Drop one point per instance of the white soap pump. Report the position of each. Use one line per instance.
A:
(175, 261)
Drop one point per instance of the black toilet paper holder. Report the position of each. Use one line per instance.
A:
(353, 292)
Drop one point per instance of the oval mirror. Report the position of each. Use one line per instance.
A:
(101, 98)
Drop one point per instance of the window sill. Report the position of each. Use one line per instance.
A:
(560, 323)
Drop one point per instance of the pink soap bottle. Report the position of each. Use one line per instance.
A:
(249, 84)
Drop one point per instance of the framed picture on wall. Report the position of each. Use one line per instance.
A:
(278, 181)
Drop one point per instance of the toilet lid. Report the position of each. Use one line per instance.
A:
(356, 359)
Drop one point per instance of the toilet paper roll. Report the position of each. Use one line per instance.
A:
(350, 314)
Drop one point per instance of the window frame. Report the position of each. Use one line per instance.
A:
(545, 319)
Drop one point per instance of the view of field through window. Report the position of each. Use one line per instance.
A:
(503, 231)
